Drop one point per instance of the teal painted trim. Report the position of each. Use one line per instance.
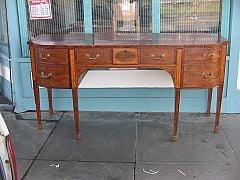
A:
(88, 25)
(6, 88)
(15, 50)
(233, 92)
(225, 18)
(24, 60)
(226, 78)
(124, 104)
(4, 59)
(156, 16)
(22, 15)
(5, 62)
(4, 49)
(20, 109)
(233, 105)
(119, 93)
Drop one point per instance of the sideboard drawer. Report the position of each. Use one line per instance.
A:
(201, 55)
(158, 56)
(52, 56)
(93, 56)
(124, 56)
(201, 76)
(53, 76)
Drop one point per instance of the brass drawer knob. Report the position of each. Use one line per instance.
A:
(45, 57)
(92, 58)
(44, 75)
(159, 57)
(207, 75)
(209, 55)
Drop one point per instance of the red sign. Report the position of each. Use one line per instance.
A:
(40, 9)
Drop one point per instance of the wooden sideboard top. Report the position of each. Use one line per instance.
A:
(138, 39)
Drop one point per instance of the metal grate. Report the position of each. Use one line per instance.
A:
(131, 16)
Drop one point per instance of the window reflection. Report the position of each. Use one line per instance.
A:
(122, 16)
(3, 24)
(190, 15)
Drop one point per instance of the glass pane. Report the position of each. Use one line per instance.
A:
(190, 15)
(131, 16)
(67, 16)
(3, 24)
(122, 16)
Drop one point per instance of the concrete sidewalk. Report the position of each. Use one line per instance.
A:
(122, 146)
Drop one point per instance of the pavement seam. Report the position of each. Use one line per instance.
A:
(18, 117)
(135, 150)
(64, 160)
(183, 163)
(228, 140)
(35, 158)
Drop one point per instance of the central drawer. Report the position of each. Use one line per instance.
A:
(122, 56)
(158, 56)
(53, 76)
(93, 56)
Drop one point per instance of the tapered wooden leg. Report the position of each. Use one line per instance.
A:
(75, 111)
(176, 114)
(50, 103)
(219, 105)
(37, 102)
(209, 101)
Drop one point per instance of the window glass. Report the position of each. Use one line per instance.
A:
(122, 16)
(131, 16)
(67, 17)
(3, 24)
(190, 15)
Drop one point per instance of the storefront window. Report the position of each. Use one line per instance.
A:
(3, 24)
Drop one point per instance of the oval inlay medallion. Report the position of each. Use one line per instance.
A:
(125, 55)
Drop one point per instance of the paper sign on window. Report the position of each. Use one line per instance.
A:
(40, 9)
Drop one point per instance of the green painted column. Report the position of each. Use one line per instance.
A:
(156, 4)
(225, 18)
(23, 25)
(88, 25)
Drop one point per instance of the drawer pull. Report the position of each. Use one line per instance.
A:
(45, 57)
(46, 75)
(207, 75)
(92, 58)
(160, 57)
(210, 55)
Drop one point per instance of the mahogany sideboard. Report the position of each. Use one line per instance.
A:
(193, 61)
